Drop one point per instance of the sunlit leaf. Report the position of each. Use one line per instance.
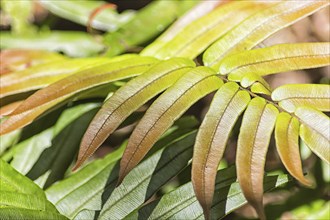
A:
(257, 126)
(275, 59)
(315, 131)
(228, 103)
(42, 75)
(196, 12)
(164, 111)
(287, 143)
(19, 59)
(292, 96)
(181, 203)
(198, 35)
(75, 44)
(129, 98)
(258, 27)
(79, 11)
(71, 86)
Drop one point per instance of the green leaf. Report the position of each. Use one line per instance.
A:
(287, 137)
(128, 99)
(227, 105)
(193, 86)
(201, 9)
(148, 177)
(182, 203)
(253, 140)
(75, 44)
(275, 59)
(315, 131)
(42, 75)
(71, 86)
(292, 96)
(258, 27)
(147, 24)
(199, 34)
(21, 198)
(79, 12)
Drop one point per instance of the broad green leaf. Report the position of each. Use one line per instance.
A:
(315, 131)
(148, 177)
(182, 203)
(72, 86)
(42, 75)
(79, 12)
(275, 59)
(258, 27)
(257, 126)
(147, 24)
(201, 9)
(193, 86)
(292, 96)
(198, 35)
(19, 59)
(228, 103)
(72, 43)
(287, 144)
(21, 198)
(128, 99)
(260, 88)
(8, 140)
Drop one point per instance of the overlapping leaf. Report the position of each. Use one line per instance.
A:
(258, 27)
(275, 59)
(292, 96)
(228, 103)
(287, 137)
(253, 140)
(164, 111)
(21, 198)
(129, 98)
(198, 35)
(71, 86)
(182, 203)
(315, 131)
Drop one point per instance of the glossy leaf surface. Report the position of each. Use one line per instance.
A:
(75, 44)
(71, 86)
(292, 96)
(181, 203)
(198, 35)
(228, 103)
(253, 140)
(129, 98)
(315, 131)
(287, 144)
(164, 111)
(275, 59)
(258, 27)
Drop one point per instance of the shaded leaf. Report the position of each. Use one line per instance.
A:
(181, 203)
(19, 59)
(228, 103)
(79, 11)
(315, 131)
(75, 44)
(71, 86)
(148, 177)
(275, 59)
(287, 143)
(292, 96)
(199, 34)
(253, 140)
(128, 99)
(164, 111)
(258, 27)
(201, 9)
